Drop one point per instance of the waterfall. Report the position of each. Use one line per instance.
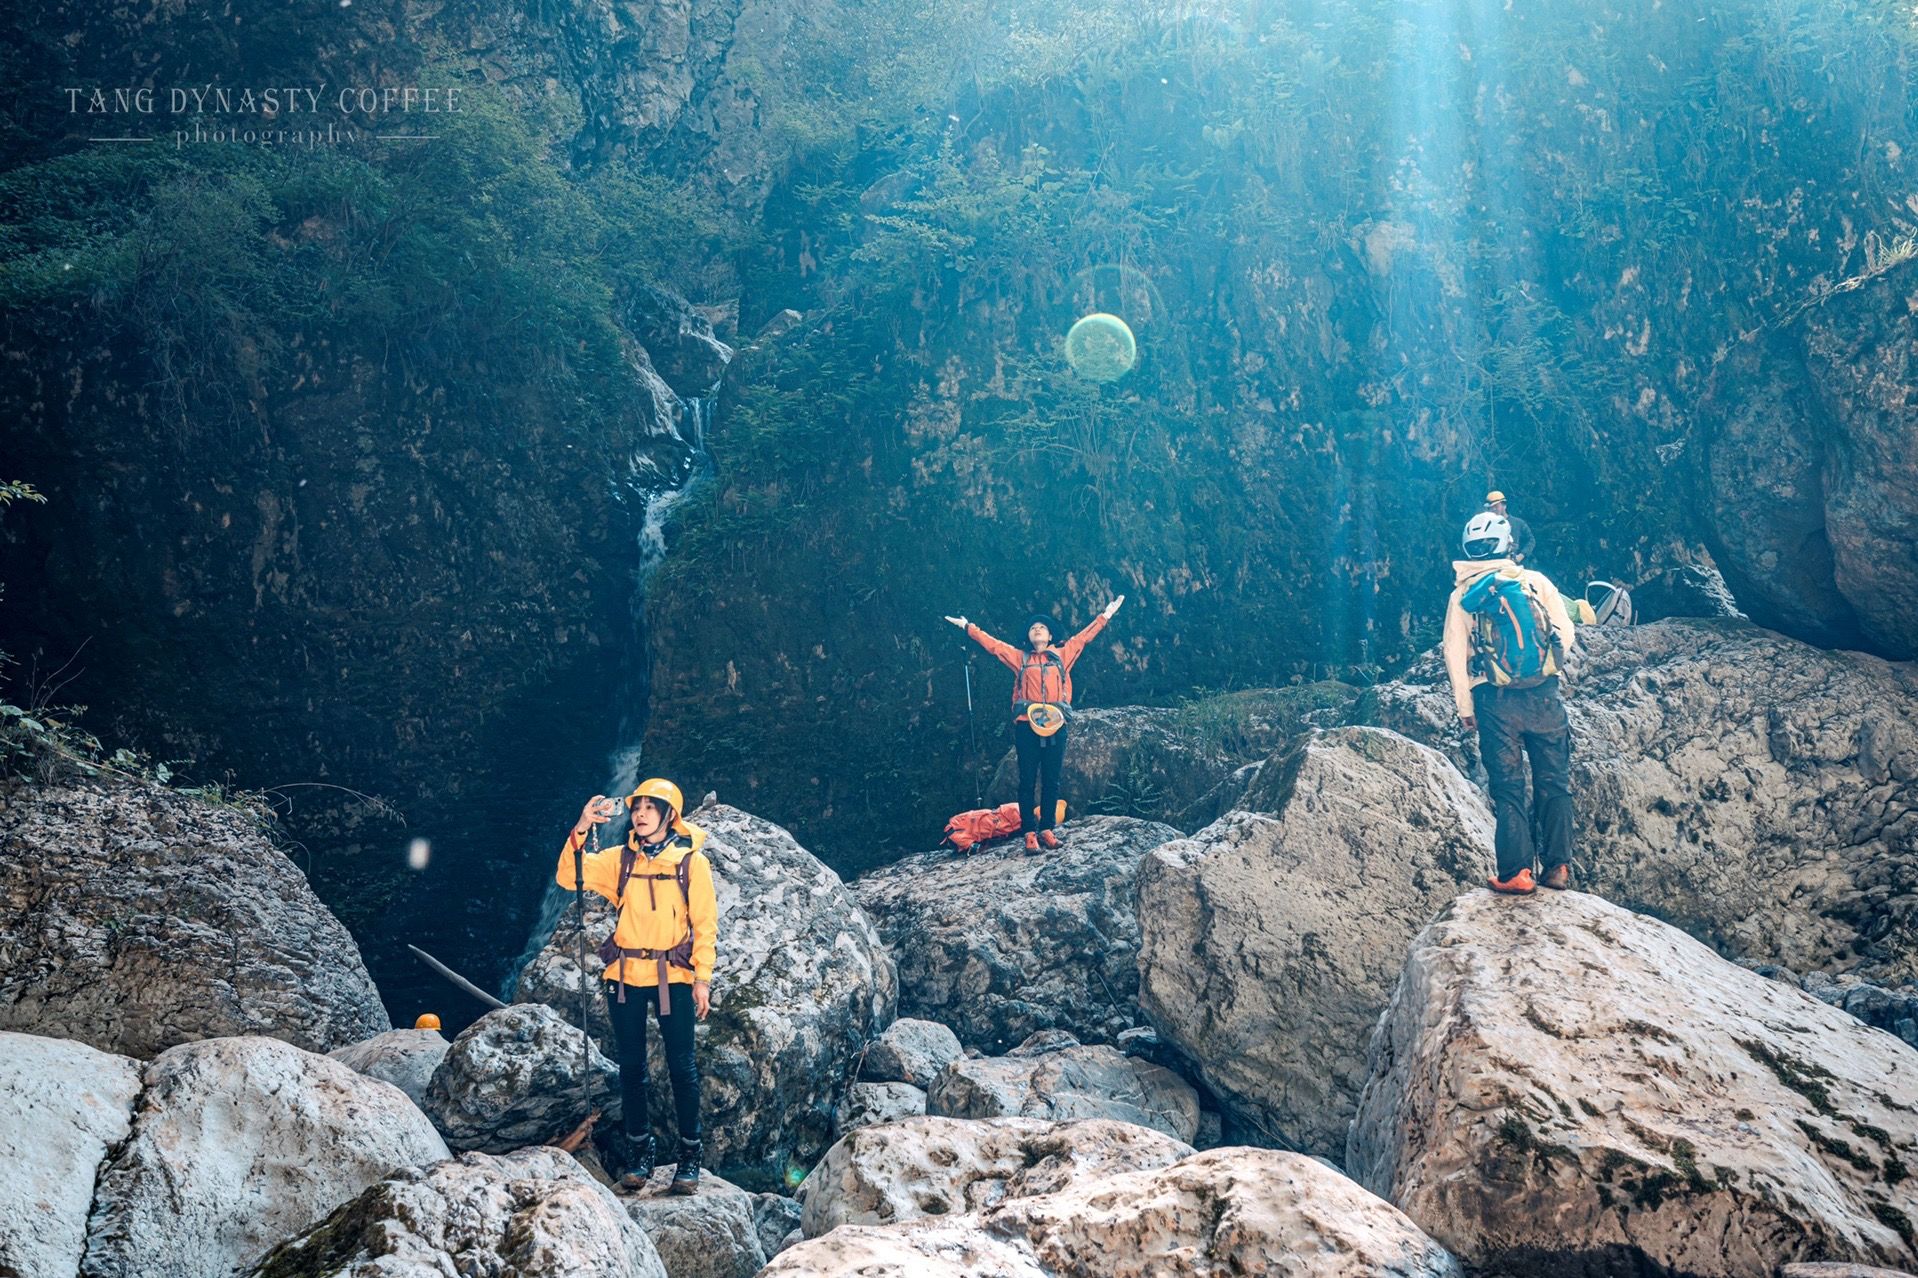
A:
(658, 491)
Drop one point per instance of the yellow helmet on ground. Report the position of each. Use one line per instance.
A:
(666, 792)
(427, 1021)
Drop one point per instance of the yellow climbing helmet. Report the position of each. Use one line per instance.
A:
(1494, 497)
(427, 1021)
(666, 792)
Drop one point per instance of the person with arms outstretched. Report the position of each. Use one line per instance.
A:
(1041, 712)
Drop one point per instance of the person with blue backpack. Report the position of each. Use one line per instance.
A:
(1507, 638)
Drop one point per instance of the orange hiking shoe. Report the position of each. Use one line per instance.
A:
(1048, 840)
(1558, 878)
(1519, 884)
(1032, 845)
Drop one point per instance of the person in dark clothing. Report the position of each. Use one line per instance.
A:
(1515, 719)
(1522, 539)
(1041, 706)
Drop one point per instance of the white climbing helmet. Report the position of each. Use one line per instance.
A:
(1487, 536)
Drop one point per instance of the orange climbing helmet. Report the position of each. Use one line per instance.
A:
(427, 1021)
(666, 792)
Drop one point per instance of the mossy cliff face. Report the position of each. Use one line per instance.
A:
(1377, 262)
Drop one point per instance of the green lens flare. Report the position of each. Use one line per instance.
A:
(1101, 348)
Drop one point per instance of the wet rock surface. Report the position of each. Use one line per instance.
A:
(1052, 1077)
(135, 918)
(1760, 793)
(236, 1145)
(802, 984)
(534, 1212)
(1559, 1081)
(999, 945)
(513, 1078)
(1274, 936)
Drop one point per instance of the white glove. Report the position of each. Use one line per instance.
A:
(1113, 607)
(960, 622)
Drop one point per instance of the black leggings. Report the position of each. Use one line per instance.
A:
(675, 1033)
(1040, 759)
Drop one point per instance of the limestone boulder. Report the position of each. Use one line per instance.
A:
(512, 1078)
(946, 1166)
(1273, 937)
(711, 1234)
(1000, 945)
(532, 1212)
(1224, 1212)
(134, 917)
(868, 1104)
(63, 1107)
(1066, 1080)
(237, 1144)
(803, 982)
(1559, 1083)
(1760, 793)
(405, 1058)
(910, 1051)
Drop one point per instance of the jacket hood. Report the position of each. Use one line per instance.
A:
(1467, 571)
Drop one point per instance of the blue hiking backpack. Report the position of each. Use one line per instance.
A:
(1513, 644)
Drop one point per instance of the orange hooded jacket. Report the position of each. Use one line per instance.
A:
(1038, 680)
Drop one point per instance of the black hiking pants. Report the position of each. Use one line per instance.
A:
(675, 1034)
(1040, 759)
(1512, 724)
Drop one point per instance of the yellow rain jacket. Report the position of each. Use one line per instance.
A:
(654, 915)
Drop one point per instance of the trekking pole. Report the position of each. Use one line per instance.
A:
(972, 731)
(579, 957)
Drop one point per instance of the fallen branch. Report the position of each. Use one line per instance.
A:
(457, 979)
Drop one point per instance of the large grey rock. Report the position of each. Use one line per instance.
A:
(947, 1166)
(133, 918)
(237, 1144)
(775, 1218)
(679, 339)
(1561, 1082)
(1223, 1212)
(1176, 764)
(1067, 1082)
(512, 1078)
(1757, 792)
(868, 1104)
(534, 1212)
(910, 1051)
(802, 984)
(63, 1107)
(1273, 937)
(1001, 945)
(711, 1234)
(405, 1058)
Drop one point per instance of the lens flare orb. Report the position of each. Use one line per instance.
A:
(1101, 348)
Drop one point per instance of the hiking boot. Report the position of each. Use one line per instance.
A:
(1032, 845)
(632, 1159)
(1519, 884)
(686, 1175)
(1048, 840)
(1558, 878)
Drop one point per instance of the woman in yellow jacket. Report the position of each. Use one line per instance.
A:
(661, 953)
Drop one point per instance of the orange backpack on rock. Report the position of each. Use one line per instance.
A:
(982, 825)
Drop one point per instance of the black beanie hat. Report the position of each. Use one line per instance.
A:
(1040, 619)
